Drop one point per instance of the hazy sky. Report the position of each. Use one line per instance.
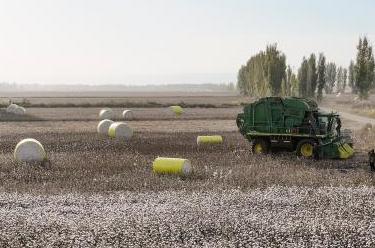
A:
(169, 41)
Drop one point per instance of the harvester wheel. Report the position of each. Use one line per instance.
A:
(260, 146)
(305, 148)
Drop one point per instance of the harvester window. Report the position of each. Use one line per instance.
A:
(323, 124)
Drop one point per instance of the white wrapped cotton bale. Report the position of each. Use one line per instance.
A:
(11, 108)
(19, 110)
(128, 115)
(120, 130)
(103, 126)
(29, 150)
(106, 113)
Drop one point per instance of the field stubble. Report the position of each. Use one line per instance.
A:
(273, 217)
(102, 192)
(86, 162)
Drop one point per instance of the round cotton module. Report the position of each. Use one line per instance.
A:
(103, 126)
(19, 110)
(128, 115)
(213, 139)
(29, 150)
(120, 130)
(177, 166)
(178, 110)
(106, 113)
(11, 108)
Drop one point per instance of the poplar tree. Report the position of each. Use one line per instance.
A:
(364, 68)
(321, 76)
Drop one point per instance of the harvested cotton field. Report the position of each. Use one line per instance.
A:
(99, 191)
(272, 217)
(157, 113)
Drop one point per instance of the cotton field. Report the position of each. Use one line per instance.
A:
(272, 217)
(159, 179)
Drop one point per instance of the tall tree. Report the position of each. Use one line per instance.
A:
(302, 78)
(294, 85)
(287, 82)
(339, 79)
(321, 76)
(330, 77)
(312, 76)
(344, 79)
(364, 68)
(242, 81)
(275, 68)
(351, 78)
(263, 73)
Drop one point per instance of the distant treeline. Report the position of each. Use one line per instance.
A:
(5, 86)
(266, 73)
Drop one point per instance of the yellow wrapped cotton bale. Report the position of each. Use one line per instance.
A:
(106, 113)
(177, 110)
(120, 130)
(128, 115)
(176, 166)
(103, 126)
(214, 139)
(29, 150)
(11, 108)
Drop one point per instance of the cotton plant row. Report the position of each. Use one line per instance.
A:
(271, 217)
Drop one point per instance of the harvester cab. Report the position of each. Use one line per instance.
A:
(296, 123)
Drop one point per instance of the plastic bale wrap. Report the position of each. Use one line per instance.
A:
(178, 110)
(29, 150)
(103, 126)
(19, 110)
(120, 130)
(106, 113)
(176, 166)
(11, 108)
(210, 140)
(128, 115)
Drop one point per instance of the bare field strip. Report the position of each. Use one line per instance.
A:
(271, 217)
(87, 162)
(139, 113)
(203, 98)
(22, 129)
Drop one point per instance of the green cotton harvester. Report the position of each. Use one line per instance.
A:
(297, 124)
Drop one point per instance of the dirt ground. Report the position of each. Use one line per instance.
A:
(102, 192)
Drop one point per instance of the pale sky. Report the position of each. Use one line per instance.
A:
(169, 41)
